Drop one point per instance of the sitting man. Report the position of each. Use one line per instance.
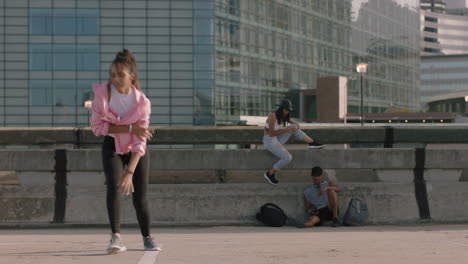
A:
(321, 200)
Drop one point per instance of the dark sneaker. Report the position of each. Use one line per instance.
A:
(271, 178)
(116, 245)
(316, 145)
(150, 245)
(336, 222)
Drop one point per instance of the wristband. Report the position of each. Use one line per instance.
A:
(130, 128)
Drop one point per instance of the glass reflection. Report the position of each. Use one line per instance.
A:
(276, 49)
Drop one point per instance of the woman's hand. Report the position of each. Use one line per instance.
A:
(126, 183)
(292, 128)
(142, 132)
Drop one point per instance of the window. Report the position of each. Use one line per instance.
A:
(60, 92)
(433, 40)
(64, 92)
(41, 92)
(430, 29)
(432, 50)
(40, 21)
(431, 19)
(40, 57)
(64, 21)
(64, 57)
(87, 57)
(84, 90)
(87, 21)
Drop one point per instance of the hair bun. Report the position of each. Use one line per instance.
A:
(123, 54)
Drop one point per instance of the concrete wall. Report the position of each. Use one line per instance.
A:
(79, 137)
(217, 187)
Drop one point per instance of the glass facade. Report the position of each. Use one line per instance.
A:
(270, 49)
(52, 51)
(203, 62)
(441, 75)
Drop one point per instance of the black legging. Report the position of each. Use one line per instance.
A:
(113, 165)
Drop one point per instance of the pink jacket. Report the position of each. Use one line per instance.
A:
(103, 116)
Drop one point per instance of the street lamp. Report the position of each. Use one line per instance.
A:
(88, 104)
(362, 68)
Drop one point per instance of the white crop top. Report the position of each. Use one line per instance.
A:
(121, 103)
(277, 126)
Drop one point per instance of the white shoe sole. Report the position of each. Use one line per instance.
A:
(153, 249)
(115, 250)
(316, 147)
(268, 179)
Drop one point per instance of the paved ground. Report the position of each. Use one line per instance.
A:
(257, 245)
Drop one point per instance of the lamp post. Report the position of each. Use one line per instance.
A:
(88, 104)
(361, 68)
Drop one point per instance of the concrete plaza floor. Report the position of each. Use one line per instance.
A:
(257, 245)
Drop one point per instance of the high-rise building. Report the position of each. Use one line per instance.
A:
(204, 62)
(444, 50)
(443, 33)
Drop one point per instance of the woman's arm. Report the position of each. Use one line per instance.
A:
(126, 181)
(119, 128)
(98, 123)
(143, 132)
(295, 123)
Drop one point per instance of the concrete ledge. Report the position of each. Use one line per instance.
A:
(219, 204)
(27, 160)
(32, 204)
(97, 178)
(237, 203)
(446, 158)
(448, 200)
(77, 136)
(247, 159)
(230, 187)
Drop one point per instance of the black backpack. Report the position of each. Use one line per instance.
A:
(272, 215)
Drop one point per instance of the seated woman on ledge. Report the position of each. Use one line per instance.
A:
(275, 136)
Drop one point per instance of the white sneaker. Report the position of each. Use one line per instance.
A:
(116, 245)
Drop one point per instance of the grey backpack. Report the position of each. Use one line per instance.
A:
(356, 214)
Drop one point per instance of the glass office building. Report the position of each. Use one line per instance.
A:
(203, 62)
(267, 50)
